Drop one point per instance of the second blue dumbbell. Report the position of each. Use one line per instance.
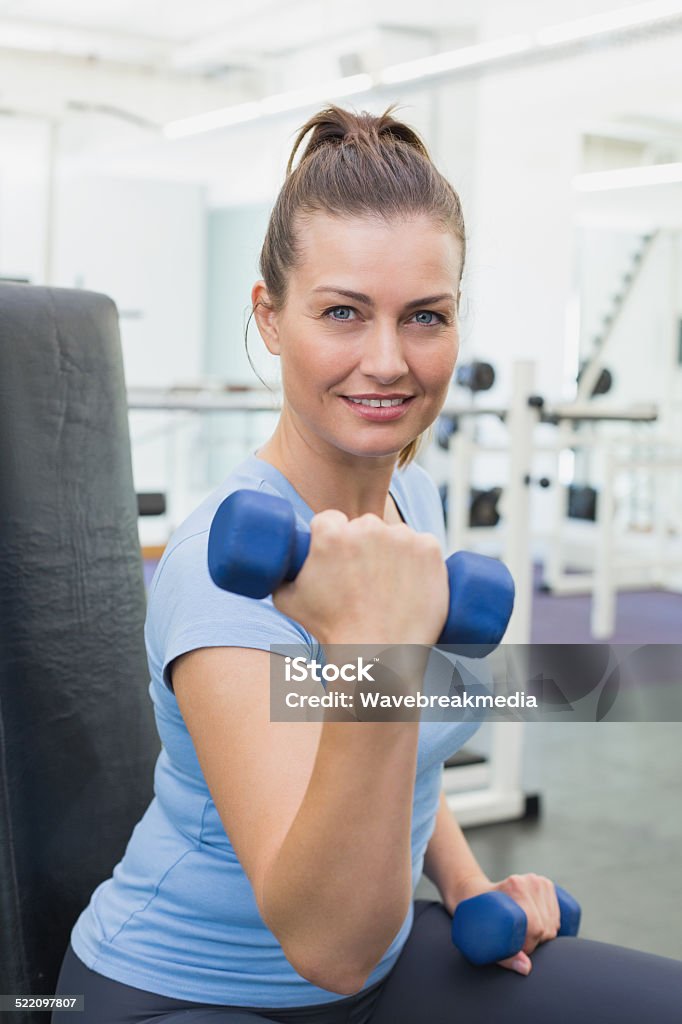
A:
(492, 926)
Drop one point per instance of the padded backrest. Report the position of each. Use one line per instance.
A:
(77, 736)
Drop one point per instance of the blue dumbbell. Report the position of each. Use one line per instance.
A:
(492, 926)
(255, 544)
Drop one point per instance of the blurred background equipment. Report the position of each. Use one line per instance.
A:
(475, 376)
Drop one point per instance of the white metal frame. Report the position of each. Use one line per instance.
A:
(484, 794)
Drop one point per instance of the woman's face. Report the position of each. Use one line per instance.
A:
(371, 313)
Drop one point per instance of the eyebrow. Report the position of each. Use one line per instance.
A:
(361, 297)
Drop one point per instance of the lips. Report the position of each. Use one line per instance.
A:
(378, 413)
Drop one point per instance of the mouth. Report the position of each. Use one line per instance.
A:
(379, 409)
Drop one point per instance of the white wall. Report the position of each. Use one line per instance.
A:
(23, 197)
(142, 243)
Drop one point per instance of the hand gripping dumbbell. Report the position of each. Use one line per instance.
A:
(492, 926)
(255, 544)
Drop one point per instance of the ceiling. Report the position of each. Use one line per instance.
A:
(112, 72)
(206, 35)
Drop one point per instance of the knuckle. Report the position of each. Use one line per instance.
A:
(367, 523)
(327, 524)
(322, 520)
(371, 522)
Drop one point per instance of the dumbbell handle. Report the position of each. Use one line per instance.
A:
(237, 564)
(492, 926)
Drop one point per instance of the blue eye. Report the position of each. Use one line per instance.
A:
(343, 309)
(428, 312)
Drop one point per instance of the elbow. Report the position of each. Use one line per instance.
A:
(336, 975)
(333, 978)
(339, 974)
(343, 969)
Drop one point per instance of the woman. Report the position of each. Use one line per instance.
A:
(272, 876)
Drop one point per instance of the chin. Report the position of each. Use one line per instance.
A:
(375, 451)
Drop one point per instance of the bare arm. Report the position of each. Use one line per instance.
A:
(449, 862)
(340, 885)
(319, 814)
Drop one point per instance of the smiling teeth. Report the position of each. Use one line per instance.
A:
(376, 402)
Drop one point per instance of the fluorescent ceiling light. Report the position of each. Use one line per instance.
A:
(316, 93)
(241, 112)
(478, 55)
(465, 56)
(211, 120)
(628, 177)
(609, 21)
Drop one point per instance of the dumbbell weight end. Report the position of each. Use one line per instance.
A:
(254, 543)
(492, 926)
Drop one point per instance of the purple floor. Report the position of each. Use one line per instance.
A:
(642, 616)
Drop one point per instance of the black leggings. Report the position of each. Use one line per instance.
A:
(572, 980)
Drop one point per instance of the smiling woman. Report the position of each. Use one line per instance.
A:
(364, 216)
(340, 362)
(273, 876)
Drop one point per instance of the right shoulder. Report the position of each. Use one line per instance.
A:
(186, 610)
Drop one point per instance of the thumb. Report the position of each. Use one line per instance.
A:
(521, 963)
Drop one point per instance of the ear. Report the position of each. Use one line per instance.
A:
(266, 318)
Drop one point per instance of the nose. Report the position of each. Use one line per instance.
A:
(382, 354)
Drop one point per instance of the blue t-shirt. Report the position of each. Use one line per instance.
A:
(178, 917)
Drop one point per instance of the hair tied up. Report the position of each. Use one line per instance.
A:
(354, 165)
(336, 126)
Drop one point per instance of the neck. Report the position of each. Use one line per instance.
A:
(327, 477)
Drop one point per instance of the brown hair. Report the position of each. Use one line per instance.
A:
(355, 165)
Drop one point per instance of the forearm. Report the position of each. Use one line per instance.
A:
(449, 862)
(340, 885)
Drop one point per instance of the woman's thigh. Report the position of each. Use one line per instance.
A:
(111, 1002)
(571, 980)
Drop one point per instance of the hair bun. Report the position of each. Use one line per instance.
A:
(334, 126)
